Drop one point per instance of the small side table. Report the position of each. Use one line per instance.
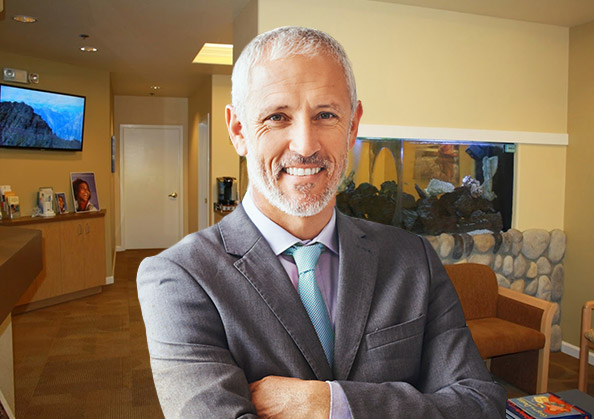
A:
(578, 398)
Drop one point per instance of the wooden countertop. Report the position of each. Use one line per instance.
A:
(20, 263)
(21, 221)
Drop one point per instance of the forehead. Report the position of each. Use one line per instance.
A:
(298, 76)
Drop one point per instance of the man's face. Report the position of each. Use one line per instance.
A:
(297, 129)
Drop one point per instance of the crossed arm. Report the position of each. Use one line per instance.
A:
(291, 398)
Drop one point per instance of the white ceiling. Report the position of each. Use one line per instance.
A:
(153, 42)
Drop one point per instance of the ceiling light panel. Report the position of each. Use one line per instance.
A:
(24, 19)
(221, 54)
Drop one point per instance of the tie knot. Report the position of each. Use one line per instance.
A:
(306, 257)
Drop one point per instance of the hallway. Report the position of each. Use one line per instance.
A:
(88, 358)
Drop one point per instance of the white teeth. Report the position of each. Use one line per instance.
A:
(300, 171)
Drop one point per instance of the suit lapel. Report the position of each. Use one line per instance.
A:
(356, 283)
(260, 266)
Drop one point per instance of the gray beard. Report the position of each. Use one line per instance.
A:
(307, 205)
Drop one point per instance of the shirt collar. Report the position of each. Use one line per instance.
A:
(280, 239)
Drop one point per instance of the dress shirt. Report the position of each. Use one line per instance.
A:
(280, 240)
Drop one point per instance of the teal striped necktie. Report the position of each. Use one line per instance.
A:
(306, 259)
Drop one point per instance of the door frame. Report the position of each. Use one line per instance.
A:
(181, 191)
(204, 172)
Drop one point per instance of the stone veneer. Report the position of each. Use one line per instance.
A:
(530, 262)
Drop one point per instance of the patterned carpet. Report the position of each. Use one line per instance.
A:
(88, 358)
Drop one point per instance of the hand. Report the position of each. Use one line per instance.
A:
(284, 397)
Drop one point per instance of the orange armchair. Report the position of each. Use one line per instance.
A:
(511, 330)
(586, 343)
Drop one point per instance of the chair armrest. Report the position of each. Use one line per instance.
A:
(587, 315)
(525, 310)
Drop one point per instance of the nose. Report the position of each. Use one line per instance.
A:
(304, 138)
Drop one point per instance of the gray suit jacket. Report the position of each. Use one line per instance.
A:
(220, 312)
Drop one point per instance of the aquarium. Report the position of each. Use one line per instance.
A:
(430, 187)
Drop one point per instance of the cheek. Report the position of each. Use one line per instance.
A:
(267, 149)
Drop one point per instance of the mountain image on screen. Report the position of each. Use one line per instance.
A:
(22, 126)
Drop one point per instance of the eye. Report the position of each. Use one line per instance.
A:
(277, 117)
(326, 115)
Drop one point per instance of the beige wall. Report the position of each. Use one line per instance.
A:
(28, 170)
(147, 110)
(245, 27)
(579, 222)
(539, 200)
(200, 105)
(423, 67)
(224, 159)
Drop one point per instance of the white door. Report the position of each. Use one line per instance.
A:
(151, 182)
(203, 172)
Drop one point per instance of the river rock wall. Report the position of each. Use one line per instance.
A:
(530, 262)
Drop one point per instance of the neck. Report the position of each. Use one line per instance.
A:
(304, 228)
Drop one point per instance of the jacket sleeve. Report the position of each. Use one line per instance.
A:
(453, 381)
(194, 373)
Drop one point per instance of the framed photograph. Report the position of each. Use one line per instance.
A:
(84, 191)
(61, 206)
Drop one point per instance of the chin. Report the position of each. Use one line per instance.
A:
(300, 206)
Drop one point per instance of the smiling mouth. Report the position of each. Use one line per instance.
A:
(300, 171)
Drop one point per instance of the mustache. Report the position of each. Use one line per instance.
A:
(296, 159)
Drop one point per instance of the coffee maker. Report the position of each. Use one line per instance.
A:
(227, 191)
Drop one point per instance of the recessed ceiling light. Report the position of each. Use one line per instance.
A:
(88, 49)
(24, 19)
(215, 54)
(155, 87)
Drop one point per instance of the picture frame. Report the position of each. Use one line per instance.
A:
(84, 191)
(61, 204)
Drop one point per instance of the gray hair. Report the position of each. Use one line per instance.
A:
(281, 43)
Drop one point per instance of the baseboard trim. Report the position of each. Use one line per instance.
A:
(5, 408)
(56, 300)
(109, 280)
(120, 249)
(574, 351)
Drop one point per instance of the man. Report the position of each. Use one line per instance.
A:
(229, 328)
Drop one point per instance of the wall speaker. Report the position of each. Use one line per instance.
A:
(15, 75)
(33, 78)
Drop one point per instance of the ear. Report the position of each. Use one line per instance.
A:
(355, 124)
(235, 130)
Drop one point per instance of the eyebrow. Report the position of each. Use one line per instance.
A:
(324, 106)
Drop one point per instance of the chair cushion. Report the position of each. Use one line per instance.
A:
(589, 334)
(495, 337)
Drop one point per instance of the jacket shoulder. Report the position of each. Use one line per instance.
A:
(374, 230)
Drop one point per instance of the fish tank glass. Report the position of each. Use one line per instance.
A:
(430, 187)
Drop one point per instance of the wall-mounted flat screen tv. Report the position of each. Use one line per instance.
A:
(38, 119)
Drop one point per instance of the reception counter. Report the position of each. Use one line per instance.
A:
(20, 263)
(73, 258)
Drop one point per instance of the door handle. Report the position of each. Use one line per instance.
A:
(172, 195)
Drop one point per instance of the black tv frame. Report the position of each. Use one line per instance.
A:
(16, 147)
